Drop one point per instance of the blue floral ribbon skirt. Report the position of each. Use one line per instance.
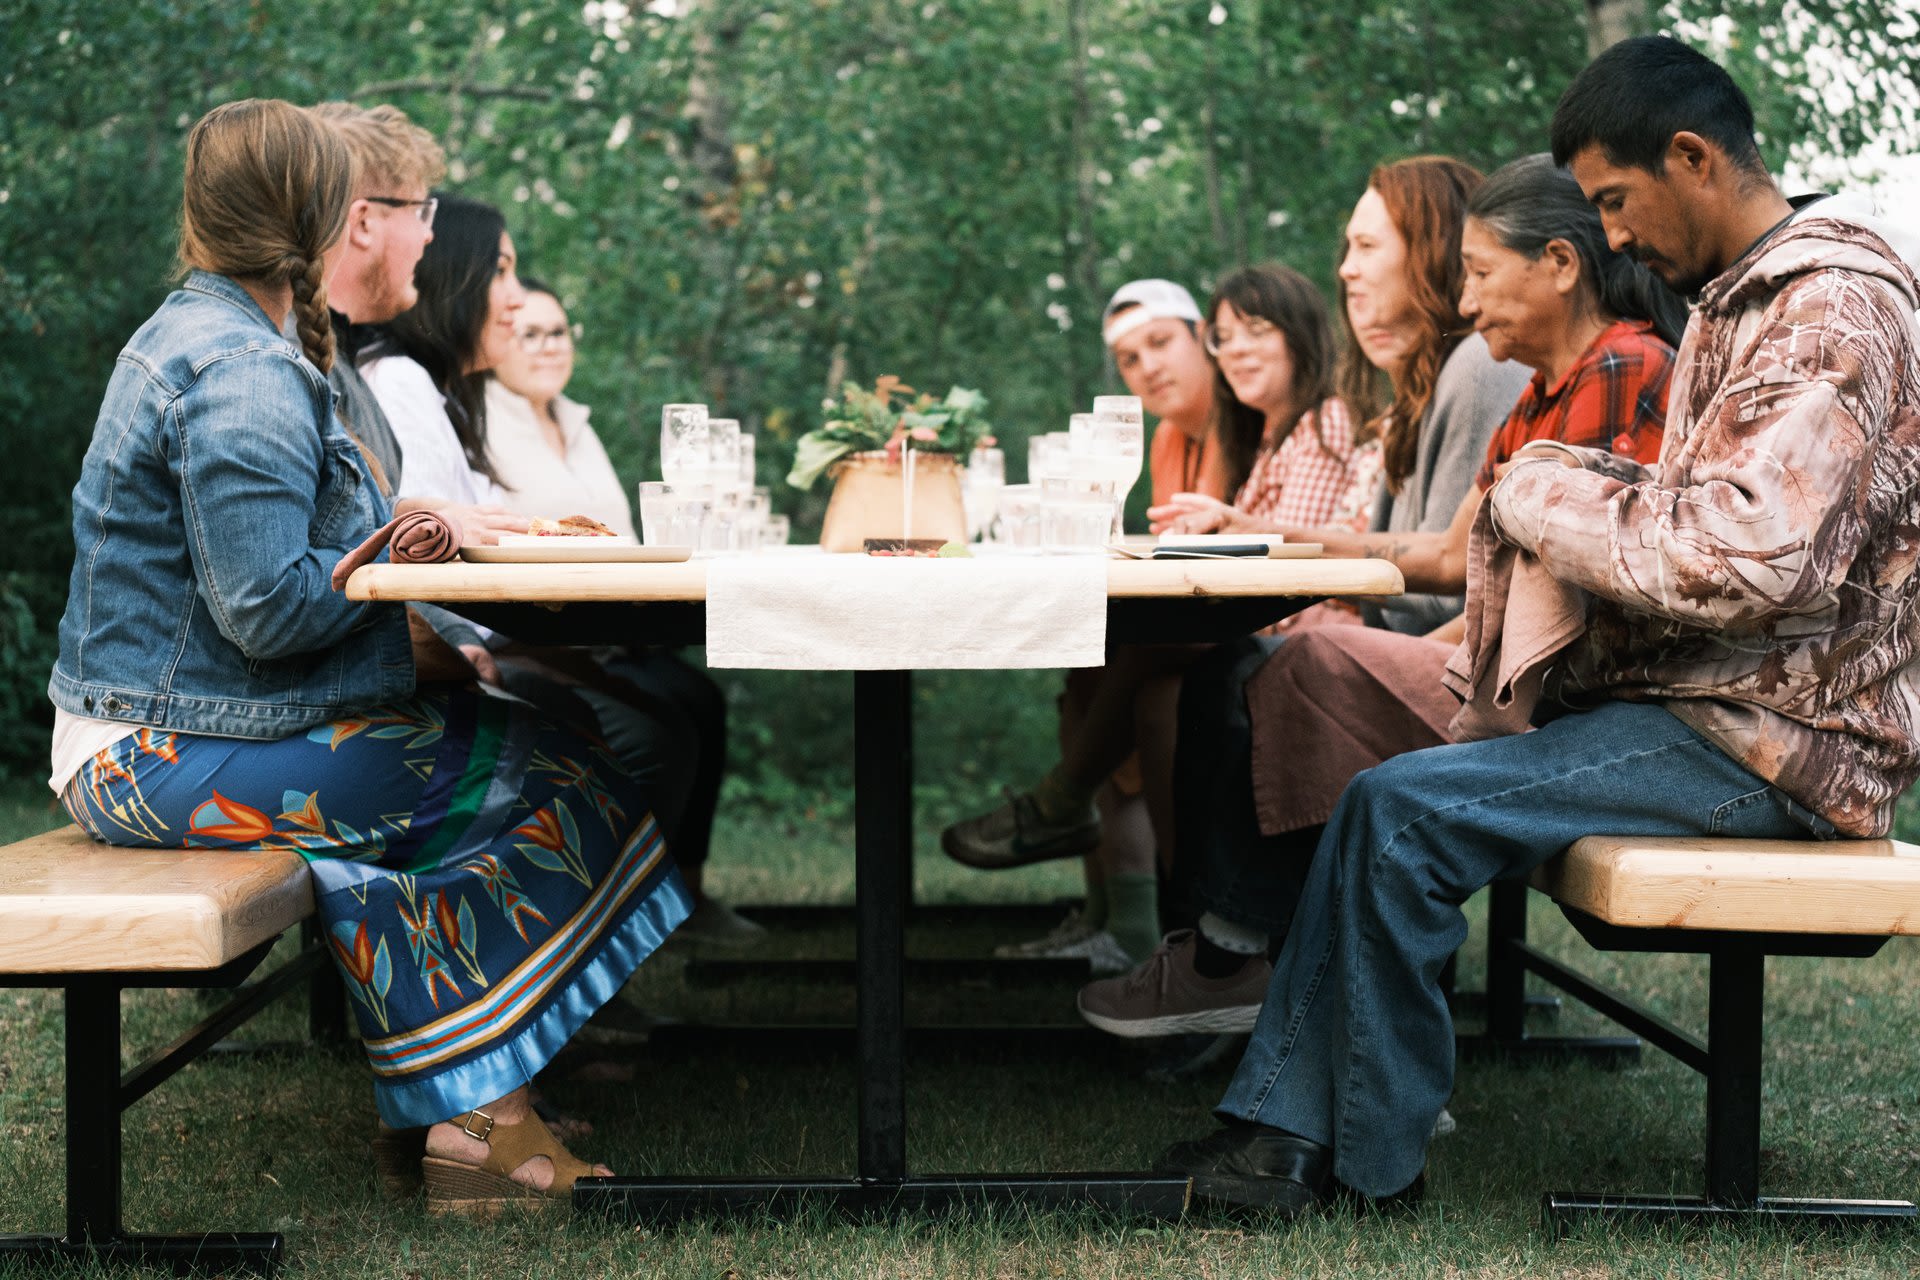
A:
(487, 879)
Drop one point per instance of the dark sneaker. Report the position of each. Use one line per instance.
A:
(1165, 996)
(1015, 834)
(1252, 1166)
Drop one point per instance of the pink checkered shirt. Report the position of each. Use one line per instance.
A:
(1317, 476)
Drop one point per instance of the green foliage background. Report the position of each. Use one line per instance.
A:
(745, 203)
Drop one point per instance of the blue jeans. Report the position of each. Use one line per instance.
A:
(1354, 1047)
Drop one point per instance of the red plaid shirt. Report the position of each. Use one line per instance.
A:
(1614, 398)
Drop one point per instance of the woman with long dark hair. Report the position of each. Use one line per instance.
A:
(485, 881)
(428, 365)
(1290, 446)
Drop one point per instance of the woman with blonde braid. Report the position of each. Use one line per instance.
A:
(486, 880)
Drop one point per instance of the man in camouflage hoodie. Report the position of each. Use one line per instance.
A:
(1748, 664)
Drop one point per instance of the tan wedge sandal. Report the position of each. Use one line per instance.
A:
(397, 1154)
(485, 1188)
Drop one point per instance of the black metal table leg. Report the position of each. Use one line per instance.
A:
(883, 836)
(883, 847)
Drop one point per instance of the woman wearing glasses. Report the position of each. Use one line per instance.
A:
(1278, 422)
(550, 460)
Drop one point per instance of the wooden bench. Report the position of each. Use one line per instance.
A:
(95, 920)
(1737, 902)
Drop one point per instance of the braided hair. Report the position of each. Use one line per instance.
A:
(265, 196)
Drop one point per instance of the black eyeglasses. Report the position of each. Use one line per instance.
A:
(424, 209)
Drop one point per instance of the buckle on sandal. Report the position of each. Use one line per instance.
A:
(466, 1124)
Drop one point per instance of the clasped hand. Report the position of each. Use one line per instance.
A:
(1193, 513)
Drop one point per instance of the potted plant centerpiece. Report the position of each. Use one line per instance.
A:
(867, 444)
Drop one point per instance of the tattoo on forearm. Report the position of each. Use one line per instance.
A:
(1389, 550)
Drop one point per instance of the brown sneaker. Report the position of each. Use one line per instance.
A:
(1016, 834)
(1164, 996)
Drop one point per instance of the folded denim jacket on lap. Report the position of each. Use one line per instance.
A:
(236, 630)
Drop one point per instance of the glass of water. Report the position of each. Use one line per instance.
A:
(684, 443)
(980, 486)
(1076, 512)
(1047, 456)
(672, 516)
(1020, 517)
(1112, 448)
(1125, 408)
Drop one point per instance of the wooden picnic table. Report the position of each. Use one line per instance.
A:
(1148, 601)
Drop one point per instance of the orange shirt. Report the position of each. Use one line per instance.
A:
(1178, 463)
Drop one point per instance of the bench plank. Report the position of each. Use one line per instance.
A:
(1869, 887)
(69, 904)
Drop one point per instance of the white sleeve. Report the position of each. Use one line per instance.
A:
(432, 464)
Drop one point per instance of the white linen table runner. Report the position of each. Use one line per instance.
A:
(887, 613)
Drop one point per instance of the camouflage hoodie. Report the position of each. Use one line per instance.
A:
(1760, 578)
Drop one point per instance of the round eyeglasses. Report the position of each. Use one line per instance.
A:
(422, 209)
(534, 341)
(1250, 331)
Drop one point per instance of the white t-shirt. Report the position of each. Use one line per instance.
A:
(539, 482)
(77, 739)
(432, 463)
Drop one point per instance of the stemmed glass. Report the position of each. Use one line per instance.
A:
(1110, 448)
(684, 446)
(980, 486)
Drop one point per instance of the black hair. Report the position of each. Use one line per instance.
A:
(1532, 202)
(443, 330)
(1633, 98)
(1294, 305)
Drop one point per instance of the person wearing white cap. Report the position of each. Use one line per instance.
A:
(1152, 331)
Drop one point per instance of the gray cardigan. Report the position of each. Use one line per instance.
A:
(1472, 397)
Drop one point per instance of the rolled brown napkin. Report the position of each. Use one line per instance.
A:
(419, 537)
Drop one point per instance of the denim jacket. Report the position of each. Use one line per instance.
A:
(217, 495)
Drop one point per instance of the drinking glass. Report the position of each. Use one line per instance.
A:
(755, 510)
(683, 443)
(776, 531)
(1125, 408)
(1020, 516)
(1046, 456)
(980, 486)
(658, 505)
(1075, 513)
(724, 446)
(747, 475)
(1112, 448)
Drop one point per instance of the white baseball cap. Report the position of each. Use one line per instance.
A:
(1146, 300)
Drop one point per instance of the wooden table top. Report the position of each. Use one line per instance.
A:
(686, 582)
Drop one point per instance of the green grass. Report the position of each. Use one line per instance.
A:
(281, 1144)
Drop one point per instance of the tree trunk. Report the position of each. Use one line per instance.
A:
(1082, 255)
(1611, 21)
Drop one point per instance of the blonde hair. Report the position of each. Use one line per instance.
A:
(265, 196)
(395, 155)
